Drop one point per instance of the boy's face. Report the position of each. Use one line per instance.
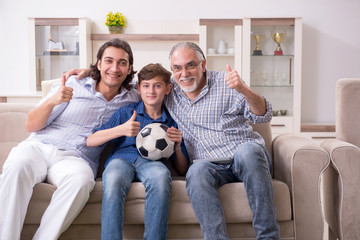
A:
(153, 91)
(114, 67)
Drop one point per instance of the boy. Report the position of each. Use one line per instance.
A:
(125, 164)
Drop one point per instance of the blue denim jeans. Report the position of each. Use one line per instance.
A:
(251, 165)
(117, 179)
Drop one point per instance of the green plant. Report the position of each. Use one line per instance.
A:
(116, 19)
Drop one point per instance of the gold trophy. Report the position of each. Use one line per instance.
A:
(257, 38)
(278, 38)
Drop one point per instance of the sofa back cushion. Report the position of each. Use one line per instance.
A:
(347, 110)
(264, 129)
(12, 122)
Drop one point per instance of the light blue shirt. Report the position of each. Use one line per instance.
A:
(70, 124)
(217, 121)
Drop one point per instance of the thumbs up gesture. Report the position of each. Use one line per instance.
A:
(131, 128)
(233, 79)
(64, 93)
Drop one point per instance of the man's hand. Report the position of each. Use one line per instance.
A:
(233, 79)
(174, 134)
(37, 117)
(64, 93)
(131, 128)
(255, 101)
(81, 73)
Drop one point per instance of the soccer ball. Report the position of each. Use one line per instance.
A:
(153, 143)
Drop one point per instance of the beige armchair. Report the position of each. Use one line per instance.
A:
(342, 178)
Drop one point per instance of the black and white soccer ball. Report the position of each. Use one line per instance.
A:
(153, 143)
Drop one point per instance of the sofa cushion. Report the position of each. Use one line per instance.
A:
(233, 197)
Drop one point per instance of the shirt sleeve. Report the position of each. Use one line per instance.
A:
(58, 109)
(184, 151)
(258, 119)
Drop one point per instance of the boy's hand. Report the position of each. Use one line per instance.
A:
(174, 134)
(64, 93)
(131, 128)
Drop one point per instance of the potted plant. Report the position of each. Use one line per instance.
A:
(115, 22)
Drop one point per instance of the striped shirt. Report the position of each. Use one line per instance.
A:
(69, 124)
(217, 121)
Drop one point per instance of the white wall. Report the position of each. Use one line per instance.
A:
(331, 36)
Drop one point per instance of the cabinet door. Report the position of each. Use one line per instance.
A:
(56, 48)
(272, 66)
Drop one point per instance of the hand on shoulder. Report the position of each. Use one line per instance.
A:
(81, 73)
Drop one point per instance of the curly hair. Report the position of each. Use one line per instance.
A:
(117, 43)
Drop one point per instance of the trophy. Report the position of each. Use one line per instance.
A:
(257, 38)
(278, 38)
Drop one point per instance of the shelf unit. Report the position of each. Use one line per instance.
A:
(211, 32)
(57, 45)
(277, 77)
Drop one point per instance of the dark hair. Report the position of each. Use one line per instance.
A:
(118, 43)
(152, 70)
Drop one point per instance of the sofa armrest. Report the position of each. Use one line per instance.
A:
(12, 122)
(341, 189)
(300, 162)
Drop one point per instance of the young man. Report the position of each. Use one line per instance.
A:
(56, 151)
(213, 110)
(125, 164)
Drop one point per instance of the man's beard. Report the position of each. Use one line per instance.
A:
(193, 87)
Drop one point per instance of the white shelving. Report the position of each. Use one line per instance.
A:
(277, 77)
(211, 32)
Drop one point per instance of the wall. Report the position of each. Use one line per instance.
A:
(331, 42)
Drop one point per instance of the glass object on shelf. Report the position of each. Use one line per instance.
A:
(278, 69)
(222, 47)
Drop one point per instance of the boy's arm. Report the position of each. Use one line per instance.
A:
(181, 163)
(130, 129)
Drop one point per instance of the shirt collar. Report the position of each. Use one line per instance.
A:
(91, 85)
(140, 109)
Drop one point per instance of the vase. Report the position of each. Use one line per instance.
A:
(115, 29)
(222, 47)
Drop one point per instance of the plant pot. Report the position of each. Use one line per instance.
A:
(115, 29)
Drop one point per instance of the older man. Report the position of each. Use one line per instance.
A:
(213, 110)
